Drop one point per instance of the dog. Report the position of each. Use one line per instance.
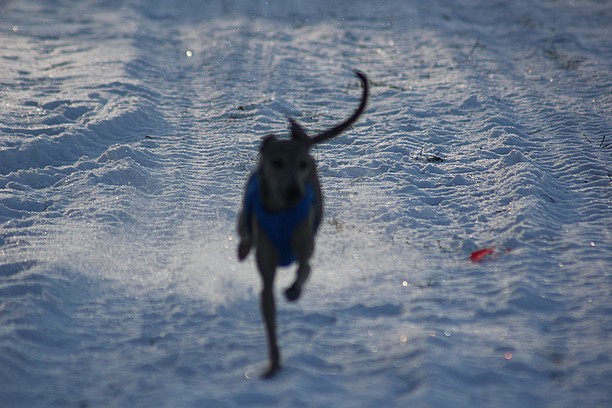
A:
(281, 212)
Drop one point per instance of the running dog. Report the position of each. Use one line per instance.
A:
(281, 213)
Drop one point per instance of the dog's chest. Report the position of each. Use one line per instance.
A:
(279, 227)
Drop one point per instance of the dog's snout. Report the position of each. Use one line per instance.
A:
(293, 193)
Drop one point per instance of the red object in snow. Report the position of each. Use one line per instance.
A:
(481, 254)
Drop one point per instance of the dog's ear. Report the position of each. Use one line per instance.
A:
(297, 132)
(267, 141)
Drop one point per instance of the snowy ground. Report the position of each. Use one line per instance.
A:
(127, 131)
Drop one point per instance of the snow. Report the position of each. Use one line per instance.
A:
(128, 130)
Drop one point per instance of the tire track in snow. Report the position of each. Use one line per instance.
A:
(533, 162)
(393, 298)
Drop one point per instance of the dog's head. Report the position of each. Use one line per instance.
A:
(285, 167)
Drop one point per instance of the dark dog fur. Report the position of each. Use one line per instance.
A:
(286, 172)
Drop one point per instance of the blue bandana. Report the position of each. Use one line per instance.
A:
(279, 227)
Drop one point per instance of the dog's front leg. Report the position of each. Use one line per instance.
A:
(244, 233)
(294, 291)
(303, 243)
(267, 268)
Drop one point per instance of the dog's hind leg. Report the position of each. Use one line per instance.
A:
(267, 269)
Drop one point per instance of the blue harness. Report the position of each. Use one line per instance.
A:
(279, 227)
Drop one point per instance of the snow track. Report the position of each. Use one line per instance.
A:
(127, 131)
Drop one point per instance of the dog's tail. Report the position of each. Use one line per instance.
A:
(298, 132)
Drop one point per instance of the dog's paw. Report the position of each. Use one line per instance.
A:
(293, 293)
(271, 371)
(243, 250)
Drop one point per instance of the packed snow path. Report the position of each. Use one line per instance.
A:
(128, 129)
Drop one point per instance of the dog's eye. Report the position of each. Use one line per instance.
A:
(278, 164)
